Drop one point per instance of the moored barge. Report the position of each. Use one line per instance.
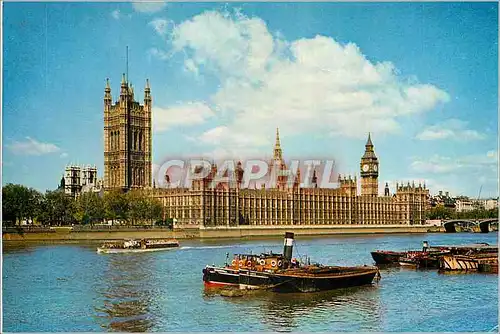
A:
(138, 246)
(426, 258)
(282, 273)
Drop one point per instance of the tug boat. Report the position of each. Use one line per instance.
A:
(282, 273)
(138, 246)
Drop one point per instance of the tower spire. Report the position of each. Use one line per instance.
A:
(277, 146)
(126, 63)
(369, 141)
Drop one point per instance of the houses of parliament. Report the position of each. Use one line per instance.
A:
(127, 165)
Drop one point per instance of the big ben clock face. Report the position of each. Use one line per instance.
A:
(375, 167)
(365, 168)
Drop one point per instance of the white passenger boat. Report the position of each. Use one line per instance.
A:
(138, 246)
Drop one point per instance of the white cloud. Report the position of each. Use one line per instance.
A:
(460, 175)
(486, 162)
(454, 129)
(307, 85)
(115, 14)
(162, 55)
(435, 165)
(63, 155)
(160, 26)
(31, 147)
(187, 114)
(147, 6)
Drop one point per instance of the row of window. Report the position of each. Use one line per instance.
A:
(137, 140)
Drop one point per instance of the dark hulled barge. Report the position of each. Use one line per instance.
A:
(282, 273)
(467, 257)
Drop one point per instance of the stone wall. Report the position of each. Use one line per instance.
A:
(213, 232)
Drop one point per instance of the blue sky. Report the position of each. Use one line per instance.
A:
(422, 77)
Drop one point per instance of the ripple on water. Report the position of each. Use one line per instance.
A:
(72, 288)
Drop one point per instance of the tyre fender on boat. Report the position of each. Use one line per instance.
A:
(249, 263)
(262, 262)
(233, 263)
(280, 263)
(273, 263)
(242, 263)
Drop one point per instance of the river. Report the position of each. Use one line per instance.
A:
(71, 288)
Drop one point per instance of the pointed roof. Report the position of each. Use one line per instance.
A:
(369, 141)
(277, 143)
(108, 87)
(369, 153)
(124, 82)
(147, 84)
(277, 147)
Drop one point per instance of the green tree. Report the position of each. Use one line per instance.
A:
(19, 202)
(116, 205)
(143, 209)
(89, 208)
(440, 212)
(56, 208)
(154, 210)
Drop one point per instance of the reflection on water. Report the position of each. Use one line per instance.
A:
(71, 288)
(125, 297)
(289, 311)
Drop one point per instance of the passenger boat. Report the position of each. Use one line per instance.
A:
(282, 273)
(138, 246)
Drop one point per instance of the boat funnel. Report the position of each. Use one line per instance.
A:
(287, 251)
(425, 246)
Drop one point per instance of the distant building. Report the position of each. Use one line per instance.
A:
(442, 200)
(77, 180)
(464, 204)
(487, 204)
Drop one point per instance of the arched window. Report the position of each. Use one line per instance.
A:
(135, 140)
(140, 141)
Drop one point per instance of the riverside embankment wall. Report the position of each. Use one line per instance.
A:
(212, 232)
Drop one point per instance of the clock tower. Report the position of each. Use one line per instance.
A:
(369, 171)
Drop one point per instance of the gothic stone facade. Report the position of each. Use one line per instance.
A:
(127, 139)
(224, 205)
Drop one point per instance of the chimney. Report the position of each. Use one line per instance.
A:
(287, 250)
